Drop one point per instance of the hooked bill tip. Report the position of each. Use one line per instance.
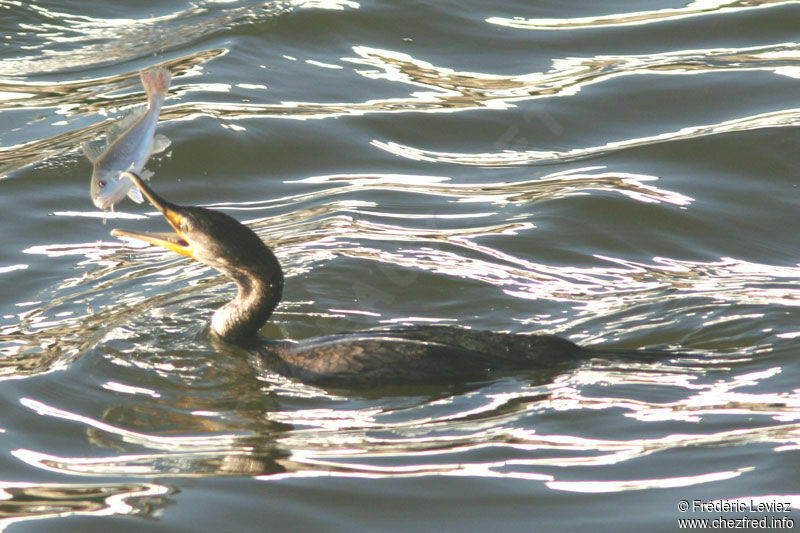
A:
(129, 174)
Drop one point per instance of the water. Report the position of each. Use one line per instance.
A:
(619, 173)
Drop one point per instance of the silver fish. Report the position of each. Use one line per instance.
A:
(129, 143)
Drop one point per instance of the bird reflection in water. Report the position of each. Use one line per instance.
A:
(23, 502)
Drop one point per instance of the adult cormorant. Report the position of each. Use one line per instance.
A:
(403, 355)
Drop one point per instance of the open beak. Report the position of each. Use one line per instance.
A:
(177, 242)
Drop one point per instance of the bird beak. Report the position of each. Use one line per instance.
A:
(177, 242)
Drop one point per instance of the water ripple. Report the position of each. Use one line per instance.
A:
(548, 187)
(65, 41)
(629, 295)
(507, 157)
(22, 502)
(476, 433)
(447, 91)
(697, 8)
(419, 203)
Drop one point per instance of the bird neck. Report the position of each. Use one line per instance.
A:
(259, 292)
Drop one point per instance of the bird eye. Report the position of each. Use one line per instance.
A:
(101, 184)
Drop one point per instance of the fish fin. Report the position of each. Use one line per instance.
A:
(93, 150)
(135, 194)
(121, 125)
(160, 143)
(155, 82)
(146, 175)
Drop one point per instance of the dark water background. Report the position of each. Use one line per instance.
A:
(620, 173)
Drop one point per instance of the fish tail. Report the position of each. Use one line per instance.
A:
(156, 82)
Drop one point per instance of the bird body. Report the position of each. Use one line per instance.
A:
(413, 354)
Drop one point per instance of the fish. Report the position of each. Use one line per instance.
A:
(128, 145)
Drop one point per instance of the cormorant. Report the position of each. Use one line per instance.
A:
(401, 355)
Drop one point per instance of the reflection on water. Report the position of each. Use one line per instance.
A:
(92, 96)
(556, 185)
(778, 119)
(473, 432)
(20, 502)
(60, 40)
(108, 370)
(438, 435)
(692, 9)
(446, 91)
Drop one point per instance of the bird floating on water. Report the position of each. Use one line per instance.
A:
(401, 355)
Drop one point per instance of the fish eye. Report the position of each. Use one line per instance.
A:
(183, 226)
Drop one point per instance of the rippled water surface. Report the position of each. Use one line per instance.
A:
(623, 174)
